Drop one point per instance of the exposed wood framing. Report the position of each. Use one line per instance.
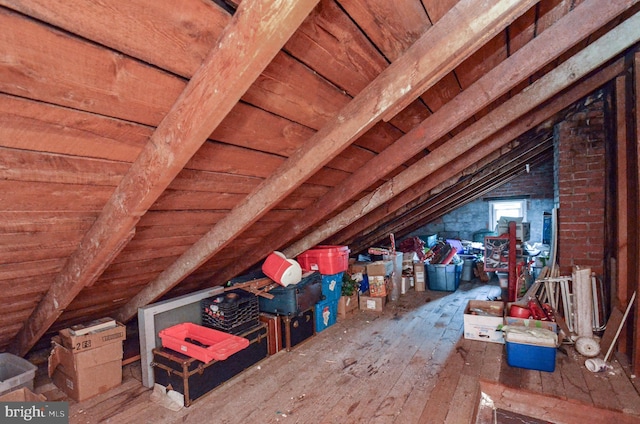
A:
(614, 42)
(398, 205)
(572, 28)
(620, 279)
(255, 34)
(422, 210)
(431, 57)
(635, 360)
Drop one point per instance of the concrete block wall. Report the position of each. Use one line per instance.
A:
(463, 222)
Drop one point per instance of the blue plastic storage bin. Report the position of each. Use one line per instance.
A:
(444, 277)
(326, 313)
(332, 286)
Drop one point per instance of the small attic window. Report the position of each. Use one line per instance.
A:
(516, 208)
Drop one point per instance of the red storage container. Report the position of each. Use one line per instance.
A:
(327, 260)
(202, 343)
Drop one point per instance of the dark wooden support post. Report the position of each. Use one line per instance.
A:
(634, 181)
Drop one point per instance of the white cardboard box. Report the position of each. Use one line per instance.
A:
(483, 320)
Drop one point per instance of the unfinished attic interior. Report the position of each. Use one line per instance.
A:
(157, 154)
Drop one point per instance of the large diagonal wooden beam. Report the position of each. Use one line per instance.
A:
(568, 31)
(432, 56)
(611, 44)
(255, 34)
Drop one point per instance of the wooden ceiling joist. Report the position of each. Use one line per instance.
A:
(598, 53)
(571, 29)
(255, 34)
(432, 56)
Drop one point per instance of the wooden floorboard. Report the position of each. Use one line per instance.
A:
(408, 364)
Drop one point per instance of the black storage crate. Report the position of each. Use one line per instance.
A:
(194, 378)
(233, 312)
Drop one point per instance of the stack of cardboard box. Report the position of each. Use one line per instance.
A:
(378, 273)
(87, 361)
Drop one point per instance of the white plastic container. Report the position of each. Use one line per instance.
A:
(15, 373)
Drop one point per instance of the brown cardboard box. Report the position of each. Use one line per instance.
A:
(347, 304)
(358, 268)
(22, 395)
(89, 382)
(378, 285)
(380, 268)
(368, 303)
(419, 276)
(92, 340)
(86, 373)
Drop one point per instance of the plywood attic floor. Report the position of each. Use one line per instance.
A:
(409, 364)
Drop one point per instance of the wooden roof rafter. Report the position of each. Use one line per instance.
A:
(581, 64)
(571, 29)
(253, 37)
(436, 53)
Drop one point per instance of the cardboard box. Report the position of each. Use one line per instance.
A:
(420, 286)
(378, 285)
(419, 274)
(90, 382)
(347, 304)
(22, 395)
(368, 303)
(483, 320)
(84, 374)
(92, 340)
(358, 268)
(382, 268)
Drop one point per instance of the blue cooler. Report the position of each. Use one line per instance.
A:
(531, 348)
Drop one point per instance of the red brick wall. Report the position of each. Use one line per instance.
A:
(581, 186)
(537, 184)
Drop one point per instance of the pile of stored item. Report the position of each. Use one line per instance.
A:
(555, 310)
(291, 301)
(86, 359)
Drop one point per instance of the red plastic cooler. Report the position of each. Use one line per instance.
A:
(327, 260)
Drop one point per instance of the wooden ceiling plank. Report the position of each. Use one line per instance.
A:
(500, 80)
(620, 38)
(470, 22)
(29, 125)
(24, 165)
(431, 57)
(256, 33)
(146, 29)
(392, 26)
(330, 43)
(29, 196)
(436, 9)
(55, 67)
